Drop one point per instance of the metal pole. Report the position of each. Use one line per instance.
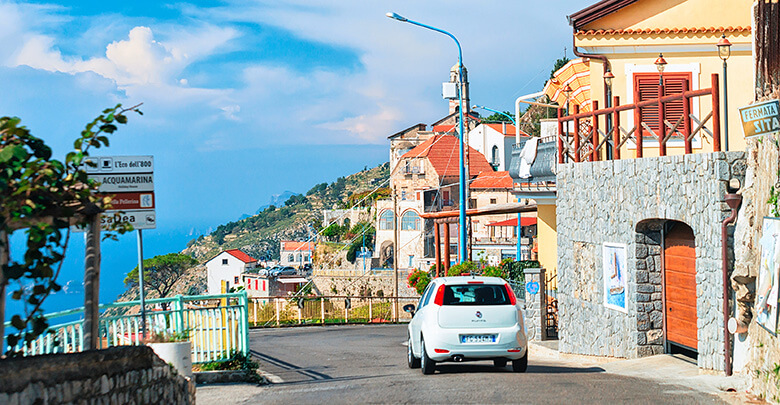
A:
(142, 297)
(92, 284)
(462, 182)
(725, 110)
(396, 253)
(462, 174)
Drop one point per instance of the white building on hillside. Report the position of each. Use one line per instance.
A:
(228, 267)
(495, 142)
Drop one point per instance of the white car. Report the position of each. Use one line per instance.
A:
(467, 318)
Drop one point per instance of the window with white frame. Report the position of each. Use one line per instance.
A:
(410, 221)
(386, 220)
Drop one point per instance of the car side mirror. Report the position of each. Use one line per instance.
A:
(409, 308)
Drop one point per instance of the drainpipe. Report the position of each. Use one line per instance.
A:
(604, 62)
(733, 201)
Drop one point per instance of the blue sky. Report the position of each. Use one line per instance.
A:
(245, 99)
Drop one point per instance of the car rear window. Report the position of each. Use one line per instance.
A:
(475, 294)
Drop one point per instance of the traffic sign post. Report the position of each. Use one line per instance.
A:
(129, 180)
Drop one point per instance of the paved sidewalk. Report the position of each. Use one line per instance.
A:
(665, 368)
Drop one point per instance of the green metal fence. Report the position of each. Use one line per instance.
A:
(325, 310)
(216, 325)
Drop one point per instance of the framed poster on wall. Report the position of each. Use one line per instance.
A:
(768, 275)
(615, 280)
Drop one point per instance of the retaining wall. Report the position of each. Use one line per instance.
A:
(119, 375)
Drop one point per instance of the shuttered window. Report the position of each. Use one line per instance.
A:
(646, 88)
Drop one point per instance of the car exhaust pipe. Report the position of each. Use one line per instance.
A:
(458, 358)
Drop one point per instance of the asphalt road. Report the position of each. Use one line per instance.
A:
(367, 364)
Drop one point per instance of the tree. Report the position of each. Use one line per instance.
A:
(162, 272)
(44, 196)
(559, 63)
(496, 117)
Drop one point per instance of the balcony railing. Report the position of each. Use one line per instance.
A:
(544, 166)
(588, 139)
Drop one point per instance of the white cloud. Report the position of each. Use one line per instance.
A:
(139, 60)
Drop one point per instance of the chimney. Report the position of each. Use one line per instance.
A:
(503, 127)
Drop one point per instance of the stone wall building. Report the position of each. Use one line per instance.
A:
(648, 206)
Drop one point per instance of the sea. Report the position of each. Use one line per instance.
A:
(118, 258)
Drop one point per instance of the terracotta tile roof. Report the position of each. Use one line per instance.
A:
(299, 246)
(525, 221)
(241, 256)
(443, 128)
(510, 129)
(691, 30)
(442, 152)
(492, 179)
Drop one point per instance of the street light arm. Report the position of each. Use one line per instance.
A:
(419, 24)
(498, 112)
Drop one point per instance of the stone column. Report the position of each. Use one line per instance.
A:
(535, 307)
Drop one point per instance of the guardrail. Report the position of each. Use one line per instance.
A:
(215, 324)
(327, 310)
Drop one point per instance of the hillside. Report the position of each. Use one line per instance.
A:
(299, 218)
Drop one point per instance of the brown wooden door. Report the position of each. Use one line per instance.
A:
(680, 287)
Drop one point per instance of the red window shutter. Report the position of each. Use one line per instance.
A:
(646, 88)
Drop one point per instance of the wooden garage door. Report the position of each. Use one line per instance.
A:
(680, 286)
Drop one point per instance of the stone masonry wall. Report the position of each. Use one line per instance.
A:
(606, 201)
(119, 375)
(763, 357)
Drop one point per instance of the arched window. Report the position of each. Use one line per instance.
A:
(386, 220)
(410, 221)
(495, 159)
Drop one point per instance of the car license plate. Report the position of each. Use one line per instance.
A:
(477, 338)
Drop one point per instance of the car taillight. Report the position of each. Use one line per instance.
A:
(512, 298)
(475, 282)
(439, 300)
(441, 351)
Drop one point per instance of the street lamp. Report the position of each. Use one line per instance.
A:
(608, 76)
(724, 51)
(519, 214)
(567, 91)
(660, 64)
(462, 171)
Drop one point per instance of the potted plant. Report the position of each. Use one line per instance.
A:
(174, 349)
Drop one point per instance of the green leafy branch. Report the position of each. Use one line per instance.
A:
(45, 196)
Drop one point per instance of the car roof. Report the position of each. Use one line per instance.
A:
(466, 279)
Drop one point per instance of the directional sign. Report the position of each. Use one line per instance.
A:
(762, 118)
(132, 201)
(126, 182)
(120, 164)
(139, 219)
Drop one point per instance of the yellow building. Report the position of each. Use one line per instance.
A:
(626, 38)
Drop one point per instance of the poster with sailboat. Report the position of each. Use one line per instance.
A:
(768, 275)
(615, 281)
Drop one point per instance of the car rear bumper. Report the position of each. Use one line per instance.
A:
(510, 344)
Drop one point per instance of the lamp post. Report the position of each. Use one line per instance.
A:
(518, 247)
(567, 91)
(608, 76)
(462, 182)
(660, 64)
(724, 51)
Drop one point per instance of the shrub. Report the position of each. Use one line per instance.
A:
(418, 280)
(461, 268)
